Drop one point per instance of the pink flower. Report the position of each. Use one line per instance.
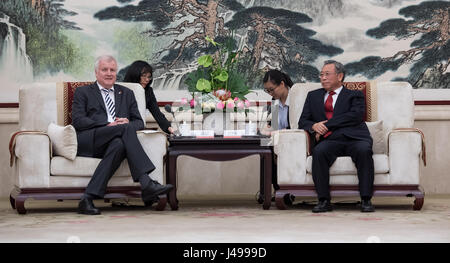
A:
(222, 94)
(184, 101)
(230, 105)
(192, 103)
(247, 103)
(240, 105)
(236, 99)
(220, 105)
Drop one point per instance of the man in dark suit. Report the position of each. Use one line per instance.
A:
(334, 116)
(106, 118)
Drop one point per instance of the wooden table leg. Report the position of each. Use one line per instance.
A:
(171, 167)
(267, 157)
(261, 180)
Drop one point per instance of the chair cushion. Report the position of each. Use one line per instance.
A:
(82, 166)
(377, 134)
(344, 165)
(64, 140)
(83, 181)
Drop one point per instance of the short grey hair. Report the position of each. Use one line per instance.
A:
(103, 58)
(337, 65)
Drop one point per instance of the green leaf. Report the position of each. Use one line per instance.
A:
(223, 76)
(193, 77)
(203, 85)
(205, 60)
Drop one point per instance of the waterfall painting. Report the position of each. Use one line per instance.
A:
(391, 40)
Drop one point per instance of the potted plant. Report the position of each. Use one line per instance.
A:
(217, 77)
(217, 85)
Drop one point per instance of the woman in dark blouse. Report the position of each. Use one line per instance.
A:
(141, 72)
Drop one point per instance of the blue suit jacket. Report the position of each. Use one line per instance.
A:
(348, 114)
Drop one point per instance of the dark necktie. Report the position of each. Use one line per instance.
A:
(109, 104)
(329, 109)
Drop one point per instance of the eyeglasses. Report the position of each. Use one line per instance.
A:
(326, 74)
(271, 90)
(146, 76)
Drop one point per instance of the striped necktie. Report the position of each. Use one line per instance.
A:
(109, 104)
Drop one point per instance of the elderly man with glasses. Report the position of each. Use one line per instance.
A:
(334, 116)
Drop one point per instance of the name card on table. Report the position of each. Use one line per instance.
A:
(203, 133)
(233, 133)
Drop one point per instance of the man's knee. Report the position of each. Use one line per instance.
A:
(129, 129)
(320, 150)
(363, 149)
(124, 129)
(116, 145)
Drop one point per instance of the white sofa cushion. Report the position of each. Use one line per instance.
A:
(377, 134)
(344, 165)
(64, 140)
(395, 105)
(83, 181)
(82, 166)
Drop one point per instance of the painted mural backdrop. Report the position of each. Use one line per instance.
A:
(56, 40)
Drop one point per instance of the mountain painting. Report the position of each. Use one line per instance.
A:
(390, 40)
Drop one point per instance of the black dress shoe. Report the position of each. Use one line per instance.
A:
(153, 189)
(366, 206)
(86, 207)
(322, 206)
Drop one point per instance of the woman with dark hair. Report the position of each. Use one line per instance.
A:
(141, 72)
(277, 84)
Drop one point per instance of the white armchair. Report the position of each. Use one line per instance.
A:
(43, 176)
(397, 147)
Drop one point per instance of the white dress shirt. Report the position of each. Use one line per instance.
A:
(335, 96)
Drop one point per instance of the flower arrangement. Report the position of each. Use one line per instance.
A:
(217, 84)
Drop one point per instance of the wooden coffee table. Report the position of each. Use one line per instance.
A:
(220, 149)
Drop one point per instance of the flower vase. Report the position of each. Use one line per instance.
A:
(218, 121)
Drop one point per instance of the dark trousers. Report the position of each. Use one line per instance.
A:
(327, 151)
(114, 144)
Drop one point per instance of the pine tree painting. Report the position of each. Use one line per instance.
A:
(428, 24)
(58, 40)
(273, 37)
(278, 41)
(164, 14)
